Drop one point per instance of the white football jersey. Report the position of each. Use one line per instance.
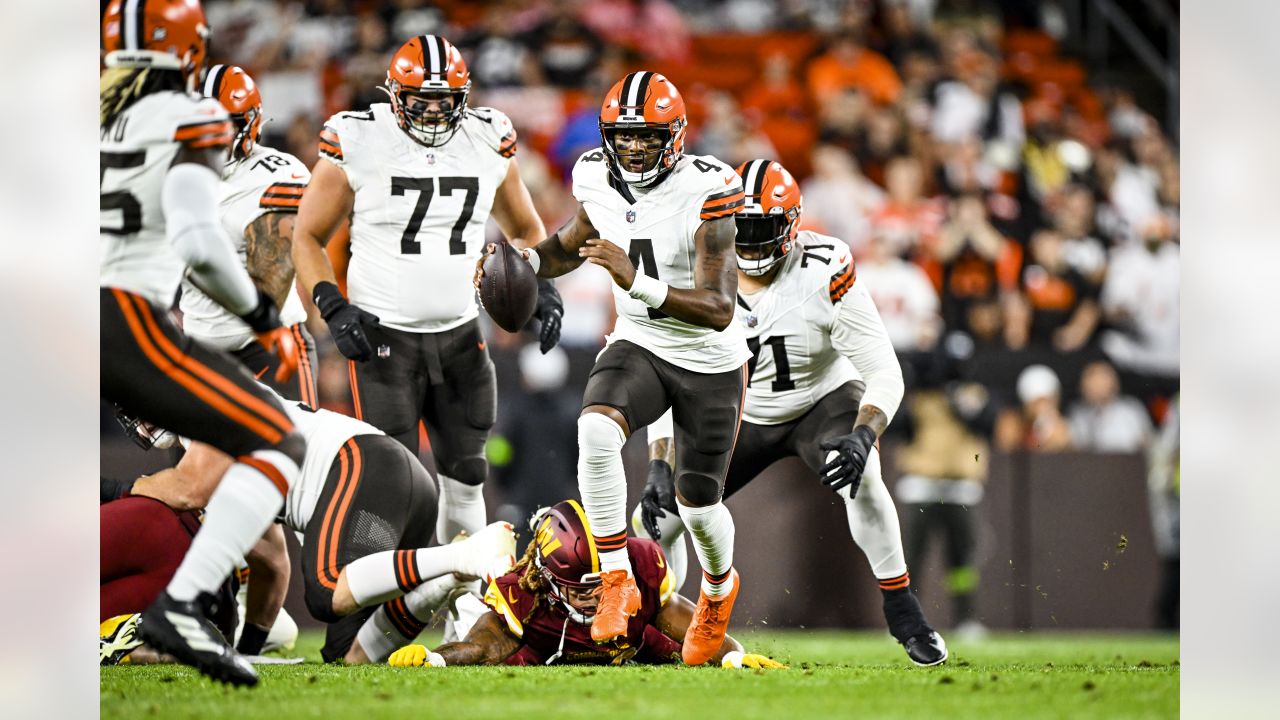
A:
(325, 433)
(810, 331)
(656, 229)
(418, 224)
(266, 181)
(136, 152)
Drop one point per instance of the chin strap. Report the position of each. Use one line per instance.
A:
(564, 630)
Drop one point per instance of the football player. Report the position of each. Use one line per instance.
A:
(540, 612)
(261, 190)
(364, 511)
(824, 384)
(661, 223)
(162, 148)
(419, 177)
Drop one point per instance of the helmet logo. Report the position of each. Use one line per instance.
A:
(159, 34)
(547, 541)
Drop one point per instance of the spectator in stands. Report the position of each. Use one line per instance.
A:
(838, 200)
(564, 46)
(1104, 420)
(1140, 306)
(1128, 190)
(975, 103)
(841, 118)
(1073, 217)
(496, 51)
(849, 63)
(1037, 425)
(407, 18)
(881, 138)
(1058, 306)
(966, 169)
(908, 220)
(728, 134)
(535, 445)
(904, 35)
(975, 269)
(653, 28)
(907, 301)
(366, 68)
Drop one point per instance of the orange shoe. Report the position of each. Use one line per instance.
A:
(619, 600)
(710, 623)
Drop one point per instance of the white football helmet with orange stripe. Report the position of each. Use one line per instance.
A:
(428, 83)
(767, 223)
(643, 100)
(238, 93)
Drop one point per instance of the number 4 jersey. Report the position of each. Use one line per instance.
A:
(136, 153)
(810, 331)
(418, 224)
(656, 229)
(266, 181)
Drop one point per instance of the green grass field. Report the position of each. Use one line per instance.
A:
(831, 674)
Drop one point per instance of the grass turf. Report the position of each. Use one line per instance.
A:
(831, 674)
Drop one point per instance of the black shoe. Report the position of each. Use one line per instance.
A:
(926, 650)
(180, 629)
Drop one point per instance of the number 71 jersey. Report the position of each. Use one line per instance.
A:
(418, 223)
(789, 323)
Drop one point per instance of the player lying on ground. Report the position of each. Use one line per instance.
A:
(541, 612)
(824, 384)
(364, 509)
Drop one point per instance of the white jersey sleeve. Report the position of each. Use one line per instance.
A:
(267, 181)
(325, 433)
(136, 152)
(858, 334)
(419, 214)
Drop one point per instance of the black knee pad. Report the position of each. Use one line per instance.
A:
(468, 471)
(697, 489)
(293, 446)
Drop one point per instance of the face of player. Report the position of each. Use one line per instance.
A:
(638, 148)
(584, 600)
(430, 110)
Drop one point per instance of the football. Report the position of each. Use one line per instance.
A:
(509, 288)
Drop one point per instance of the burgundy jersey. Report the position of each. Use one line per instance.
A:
(542, 631)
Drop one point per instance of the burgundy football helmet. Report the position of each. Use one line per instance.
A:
(566, 554)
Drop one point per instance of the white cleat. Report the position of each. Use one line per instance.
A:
(491, 552)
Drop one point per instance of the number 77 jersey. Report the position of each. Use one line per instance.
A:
(790, 325)
(418, 222)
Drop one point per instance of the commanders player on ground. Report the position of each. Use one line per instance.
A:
(540, 612)
(661, 223)
(261, 190)
(813, 330)
(161, 150)
(364, 511)
(419, 178)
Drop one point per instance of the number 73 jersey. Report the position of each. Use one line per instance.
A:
(805, 329)
(418, 223)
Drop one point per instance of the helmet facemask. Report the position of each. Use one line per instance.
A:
(763, 240)
(246, 125)
(428, 115)
(655, 150)
(563, 592)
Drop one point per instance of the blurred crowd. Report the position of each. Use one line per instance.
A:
(1015, 220)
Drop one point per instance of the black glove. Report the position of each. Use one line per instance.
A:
(847, 468)
(111, 489)
(347, 323)
(549, 311)
(658, 498)
(265, 317)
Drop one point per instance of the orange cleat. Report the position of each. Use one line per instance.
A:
(710, 623)
(619, 600)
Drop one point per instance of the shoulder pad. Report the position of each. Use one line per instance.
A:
(495, 128)
(505, 597)
(718, 185)
(203, 124)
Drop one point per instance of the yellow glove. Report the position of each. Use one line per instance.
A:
(415, 656)
(735, 659)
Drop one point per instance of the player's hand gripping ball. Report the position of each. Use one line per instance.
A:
(508, 286)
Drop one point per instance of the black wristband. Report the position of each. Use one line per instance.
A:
(328, 299)
(866, 433)
(264, 316)
(252, 640)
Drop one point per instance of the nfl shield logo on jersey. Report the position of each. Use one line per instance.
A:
(631, 216)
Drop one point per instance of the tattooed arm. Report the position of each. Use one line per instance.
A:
(268, 243)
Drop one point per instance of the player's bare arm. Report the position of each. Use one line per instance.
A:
(710, 302)
(189, 484)
(268, 242)
(328, 200)
(514, 212)
(268, 562)
(488, 643)
(558, 254)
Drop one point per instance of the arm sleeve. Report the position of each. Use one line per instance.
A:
(190, 202)
(858, 333)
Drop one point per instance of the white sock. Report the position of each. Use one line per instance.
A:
(602, 483)
(873, 521)
(672, 542)
(461, 508)
(240, 511)
(711, 528)
(381, 576)
(379, 638)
